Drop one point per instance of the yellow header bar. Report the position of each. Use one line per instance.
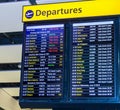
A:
(71, 10)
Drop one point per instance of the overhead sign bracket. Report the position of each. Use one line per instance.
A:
(33, 2)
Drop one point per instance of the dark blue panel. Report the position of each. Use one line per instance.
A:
(73, 65)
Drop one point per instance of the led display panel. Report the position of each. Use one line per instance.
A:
(43, 62)
(92, 60)
(69, 63)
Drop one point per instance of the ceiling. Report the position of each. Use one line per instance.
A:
(10, 47)
(11, 38)
(2, 1)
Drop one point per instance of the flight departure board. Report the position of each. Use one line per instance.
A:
(70, 62)
(92, 60)
(43, 62)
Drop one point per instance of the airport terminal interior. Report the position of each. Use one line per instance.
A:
(11, 39)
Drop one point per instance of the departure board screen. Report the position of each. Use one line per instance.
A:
(43, 61)
(92, 73)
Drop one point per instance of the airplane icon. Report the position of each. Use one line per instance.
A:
(29, 14)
